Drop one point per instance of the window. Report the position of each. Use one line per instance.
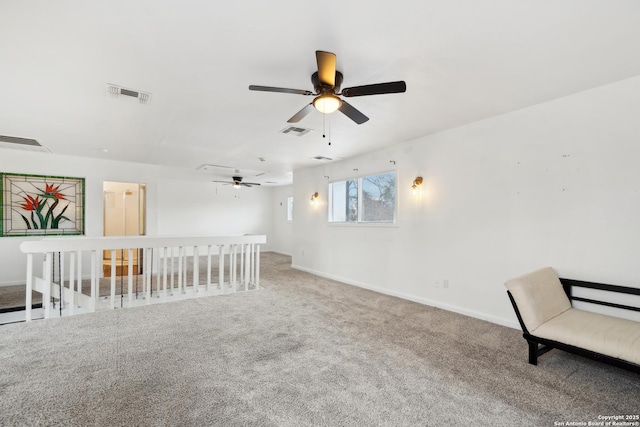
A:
(343, 201)
(290, 208)
(369, 199)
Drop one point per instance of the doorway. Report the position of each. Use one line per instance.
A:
(124, 215)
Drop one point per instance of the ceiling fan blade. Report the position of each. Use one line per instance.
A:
(351, 112)
(280, 90)
(326, 67)
(301, 114)
(249, 184)
(375, 89)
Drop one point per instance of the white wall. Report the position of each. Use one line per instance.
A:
(207, 208)
(555, 184)
(212, 209)
(281, 238)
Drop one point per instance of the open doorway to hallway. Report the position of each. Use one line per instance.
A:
(124, 215)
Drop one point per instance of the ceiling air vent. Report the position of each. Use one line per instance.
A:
(18, 143)
(117, 91)
(295, 130)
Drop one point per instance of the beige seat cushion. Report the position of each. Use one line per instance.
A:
(539, 296)
(603, 334)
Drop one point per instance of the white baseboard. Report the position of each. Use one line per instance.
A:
(279, 252)
(12, 283)
(414, 298)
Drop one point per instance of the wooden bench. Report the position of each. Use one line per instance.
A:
(542, 302)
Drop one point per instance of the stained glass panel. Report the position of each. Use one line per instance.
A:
(38, 205)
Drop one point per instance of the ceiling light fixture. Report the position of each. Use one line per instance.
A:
(327, 103)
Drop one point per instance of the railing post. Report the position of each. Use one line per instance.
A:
(164, 272)
(46, 295)
(180, 254)
(208, 268)
(252, 267)
(184, 271)
(154, 261)
(113, 278)
(62, 272)
(147, 263)
(257, 266)
(72, 283)
(221, 268)
(94, 284)
(242, 262)
(79, 254)
(172, 268)
(247, 271)
(130, 276)
(28, 299)
(233, 260)
(196, 269)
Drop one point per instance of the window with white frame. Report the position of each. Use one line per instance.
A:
(290, 208)
(368, 199)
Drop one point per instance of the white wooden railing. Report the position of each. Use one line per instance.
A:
(164, 261)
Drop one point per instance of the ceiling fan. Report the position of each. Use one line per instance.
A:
(237, 182)
(326, 83)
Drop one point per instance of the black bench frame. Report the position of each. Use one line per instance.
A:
(539, 346)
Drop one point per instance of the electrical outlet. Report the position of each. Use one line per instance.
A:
(438, 284)
(445, 283)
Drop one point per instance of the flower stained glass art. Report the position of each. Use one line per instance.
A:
(38, 205)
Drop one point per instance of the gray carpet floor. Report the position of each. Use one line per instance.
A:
(302, 351)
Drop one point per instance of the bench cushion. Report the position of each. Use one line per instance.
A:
(539, 296)
(600, 333)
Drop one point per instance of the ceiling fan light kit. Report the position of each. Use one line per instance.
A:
(326, 83)
(327, 103)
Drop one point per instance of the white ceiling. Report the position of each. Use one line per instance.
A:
(462, 61)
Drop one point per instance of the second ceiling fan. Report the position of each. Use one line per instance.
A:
(326, 83)
(237, 182)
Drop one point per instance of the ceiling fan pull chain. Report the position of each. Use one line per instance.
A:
(323, 119)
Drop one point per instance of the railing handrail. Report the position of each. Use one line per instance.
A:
(68, 244)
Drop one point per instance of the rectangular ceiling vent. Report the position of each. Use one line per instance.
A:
(321, 158)
(295, 130)
(117, 91)
(25, 144)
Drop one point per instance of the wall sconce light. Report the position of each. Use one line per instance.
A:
(314, 197)
(416, 182)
